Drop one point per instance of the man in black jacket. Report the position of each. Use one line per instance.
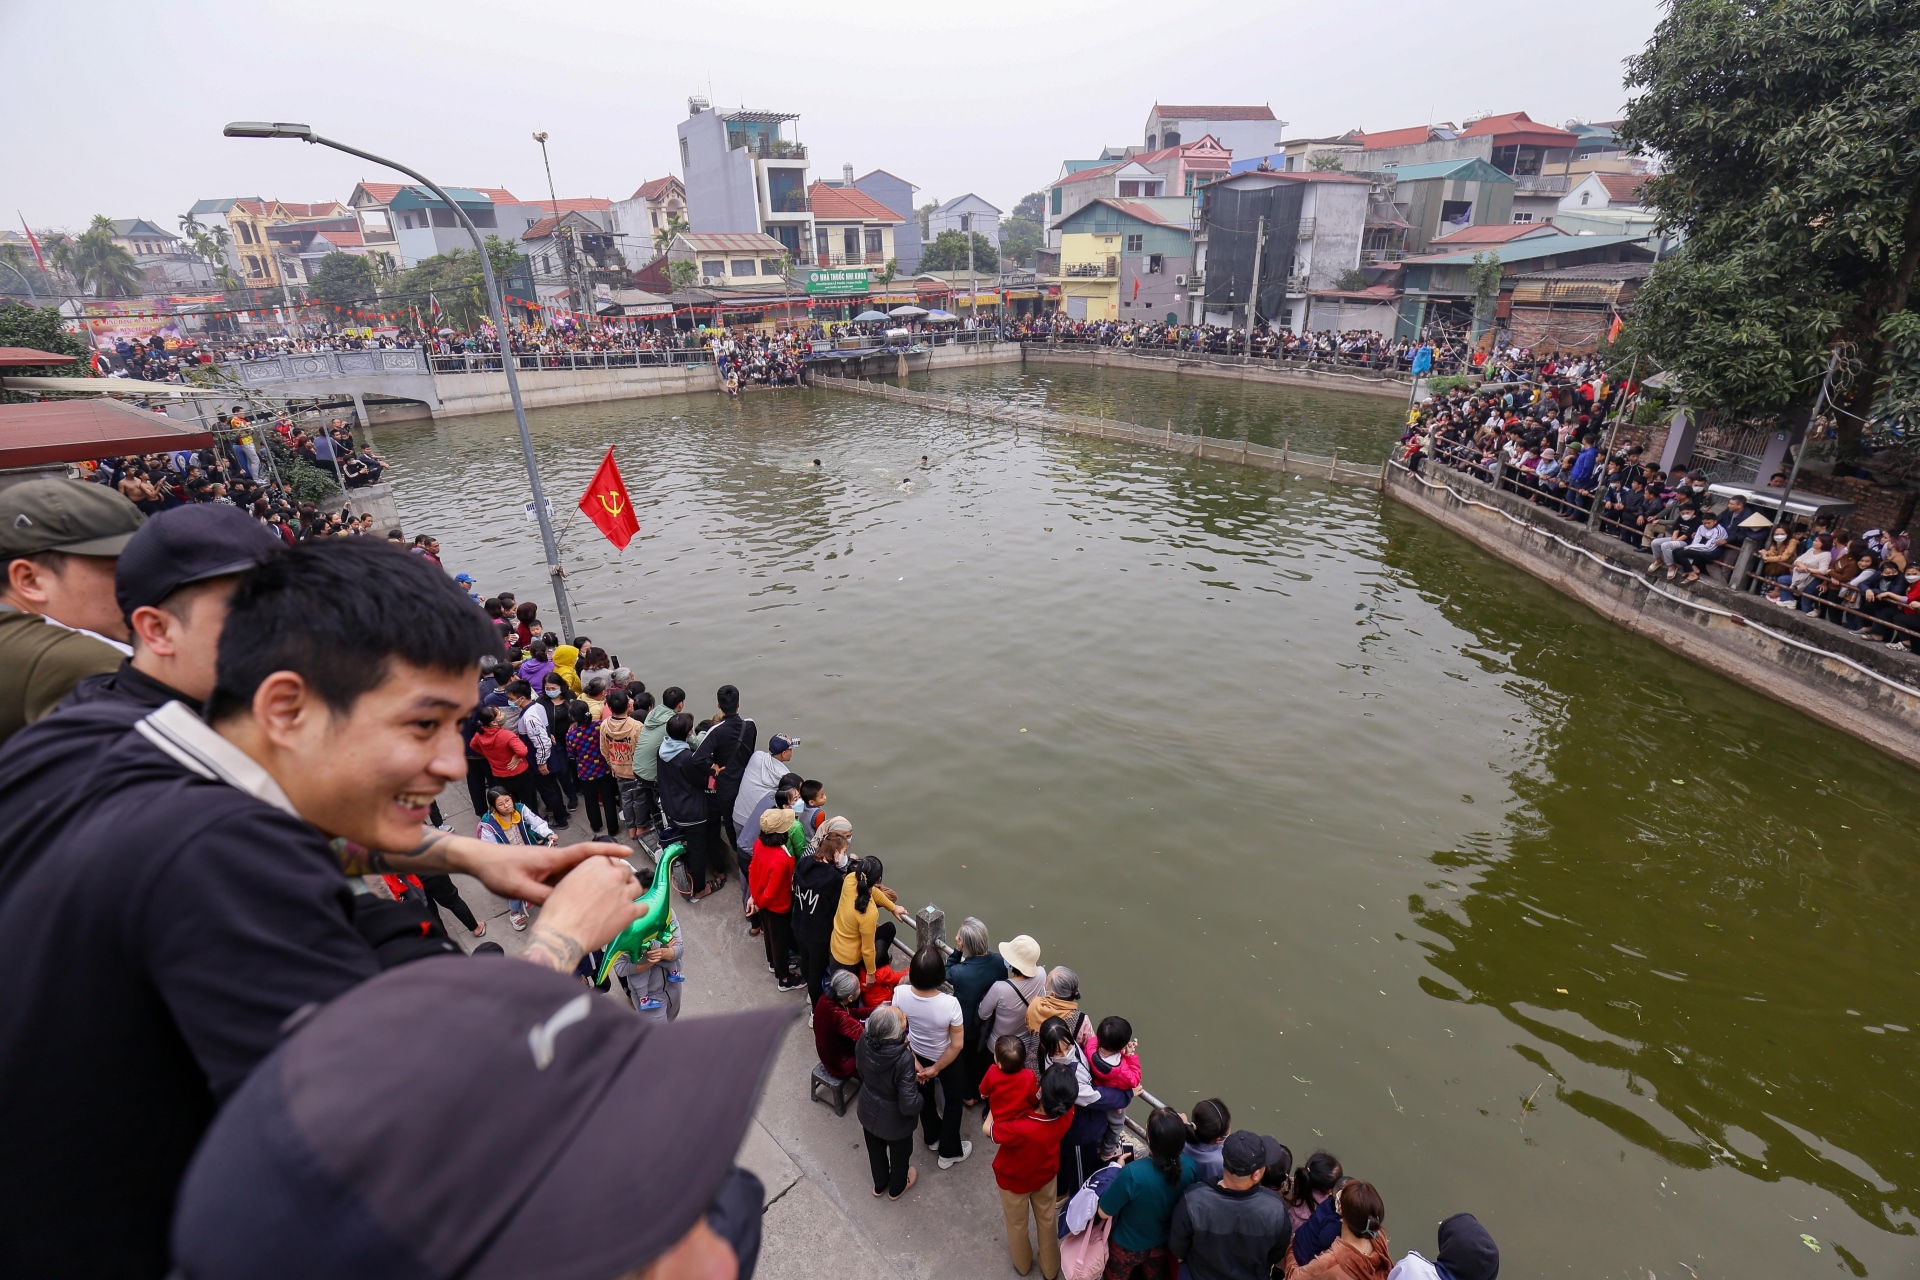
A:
(727, 748)
(1238, 1229)
(817, 881)
(686, 802)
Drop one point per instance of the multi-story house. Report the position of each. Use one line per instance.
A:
(409, 224)
(850, 228)
(299, 247)
(162, 257)
(1315, 224)
(744, 175)
(895, 193)
(1245, 131)
(728, 259)
(1126, 259)
(642, 216)
(209, 213)
(1080, 184)
(248, 222)
(969, 215)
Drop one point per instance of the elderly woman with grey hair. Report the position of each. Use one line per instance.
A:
(972, 970)
(890, 1100)
(836, 1025)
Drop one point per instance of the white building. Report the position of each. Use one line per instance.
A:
(744, 175)
(1245, 131)
(968, 214)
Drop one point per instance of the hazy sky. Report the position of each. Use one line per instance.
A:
(116, 108)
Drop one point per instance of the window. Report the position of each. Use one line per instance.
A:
(546, 264)
(1152, 143)
(1456, 213)
(1056, 201)
(712, 269)
(875, 243)
(850, 243)
(770, 266)
(655, 215)
(1153, 264)
(1586, 197)
(443, 218)
(966, 223)
(481, 218)
(1136, 243)
(1523, 217)
(1129, 189)
(685, 163)
(744, 267)
(822, 243)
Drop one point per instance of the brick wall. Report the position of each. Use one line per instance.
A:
(1880, 507)
(1561, 328)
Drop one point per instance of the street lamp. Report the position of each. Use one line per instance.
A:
(305, 133)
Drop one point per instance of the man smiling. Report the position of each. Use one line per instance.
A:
(166, 935)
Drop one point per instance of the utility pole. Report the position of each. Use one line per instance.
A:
(575, 271)
(1253, 288)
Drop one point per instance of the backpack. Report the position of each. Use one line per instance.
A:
(1084, 1256)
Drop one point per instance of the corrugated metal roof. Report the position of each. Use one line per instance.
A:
(1594, 270)
(1213, 113)
(1513, 122)
(753, 242)
(1447, 169)
(1527, 250)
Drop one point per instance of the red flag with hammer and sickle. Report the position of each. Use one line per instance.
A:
(608, 506)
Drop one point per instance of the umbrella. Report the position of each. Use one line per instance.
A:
(446, 333)
(871, 314)
(941, 315)
(908, 311)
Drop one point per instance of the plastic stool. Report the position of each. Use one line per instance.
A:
(839, 1092)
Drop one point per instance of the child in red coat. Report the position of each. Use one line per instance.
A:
(1007, 1086)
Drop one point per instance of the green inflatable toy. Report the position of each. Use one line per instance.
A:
(656, 916)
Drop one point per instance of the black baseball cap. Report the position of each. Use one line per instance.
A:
(1245, 1151)
(74, 516)
(186, 545)
(454, 1117)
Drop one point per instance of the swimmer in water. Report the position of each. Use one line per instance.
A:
(816, 462)
(924, 464)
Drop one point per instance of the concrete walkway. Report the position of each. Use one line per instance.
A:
(822, 1218)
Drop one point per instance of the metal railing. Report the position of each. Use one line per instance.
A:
(533, 361)
(1373, 368)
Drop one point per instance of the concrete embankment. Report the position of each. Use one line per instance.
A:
(1287, 375)
(1856, 686)
(468, 393)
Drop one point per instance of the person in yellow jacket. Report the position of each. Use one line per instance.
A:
(859, 939)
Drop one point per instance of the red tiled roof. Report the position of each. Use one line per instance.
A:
(1372, 293)
(655, 189)
(33, 435)
(1139, 209)
(1622, 188)
(341, 238)
(1500, 234)
(381, 192)
(1516, 122)
(500, 195)
(1393, 137)
(579, 204)
(324, 209)
(1213, 113)
(27, 357)
(847, 204)
(1105, 171)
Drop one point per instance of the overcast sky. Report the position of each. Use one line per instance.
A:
(116, 108)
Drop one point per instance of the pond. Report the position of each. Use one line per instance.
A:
(1393, 848)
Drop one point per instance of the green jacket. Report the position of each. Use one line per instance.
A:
(646, 753)
(40, 662)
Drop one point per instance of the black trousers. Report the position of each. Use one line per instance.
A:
(698, 839)
(478, 779)
(1696, 557)
(974, 1060)
(520, 786)
(940, 1125)
(600, 797)
(441, 889)
(889, 1161)
(552, 798)
(776, 930)
(813, 965)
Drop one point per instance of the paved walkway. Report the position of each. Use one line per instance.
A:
(822, 1219)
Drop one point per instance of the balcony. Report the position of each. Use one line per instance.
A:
(1108, 270)
(788, 202)
(770, 149)
(843, 260)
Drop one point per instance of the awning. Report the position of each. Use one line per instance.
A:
(27, 357)
(33, 435)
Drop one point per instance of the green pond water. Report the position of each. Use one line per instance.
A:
(1391, 847)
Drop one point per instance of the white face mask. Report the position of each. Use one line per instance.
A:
(842, 859)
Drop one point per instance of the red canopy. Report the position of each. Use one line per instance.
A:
(27, 357)
(35, 435)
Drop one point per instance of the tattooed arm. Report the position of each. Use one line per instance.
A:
(510, 870)
(590, 905)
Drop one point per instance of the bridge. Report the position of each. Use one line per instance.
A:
(335, 375)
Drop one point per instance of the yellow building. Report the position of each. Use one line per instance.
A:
(247, 223)
(1089, 276)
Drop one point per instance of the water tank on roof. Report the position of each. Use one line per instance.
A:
(696, 104)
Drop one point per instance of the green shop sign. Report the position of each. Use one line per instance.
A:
(836, 283)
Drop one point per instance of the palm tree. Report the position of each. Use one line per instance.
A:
(663, 238)
(100, 263)
(190, 226)
(57, 247)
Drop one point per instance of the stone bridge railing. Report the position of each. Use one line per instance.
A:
(317, 366)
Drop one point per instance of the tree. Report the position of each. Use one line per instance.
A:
(663, 238)
(41, 329)
(1484, 275)
(344, 279)
(924, 212)
(886, 274)
(1790, 166)
(1021, 238)
(1032, 207)
(22, 275)
(1327, 162)
(1352, 280)
(98, 264)
(682, 275)
(948, 252)
(455, 280)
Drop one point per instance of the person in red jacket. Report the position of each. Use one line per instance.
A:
(1009, 1088)
(1025, 1168)
(837, 1025)
(506, 755)
(770, 884)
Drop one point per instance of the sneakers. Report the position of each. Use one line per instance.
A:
(947, 1162)
(792, 984)
(518, 919)
(676, 977)
(649, 1004)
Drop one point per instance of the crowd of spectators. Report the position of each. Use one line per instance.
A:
(1359, 347)
(1545, 436)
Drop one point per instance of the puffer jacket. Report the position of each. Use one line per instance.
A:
(889, 1094)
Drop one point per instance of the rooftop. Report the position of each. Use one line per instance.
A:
(1517, 122)
(1213, 113)
(1622, 188)
(762, 117)
(1448, 169)
(654, 189)
(753, 242)
(1594, 271)
(1527, 250)
(1500, 234)
(1143, 210)
(847, 204)
(1396, 137)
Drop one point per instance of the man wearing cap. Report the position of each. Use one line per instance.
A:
(58, 621)
(565, 1138)
(1236, 1229)
(764, 773)
(161, 934)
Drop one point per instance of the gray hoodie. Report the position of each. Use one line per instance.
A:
(646, 753)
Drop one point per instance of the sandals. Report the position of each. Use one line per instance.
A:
(913, 1176)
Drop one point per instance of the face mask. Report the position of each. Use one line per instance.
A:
(1779, 537)
(842, 859)
(553, 693)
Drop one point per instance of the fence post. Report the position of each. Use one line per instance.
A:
(1334, 465)
(1286, 447)
(930, 928)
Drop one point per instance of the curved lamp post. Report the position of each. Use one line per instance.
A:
(305, 133)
